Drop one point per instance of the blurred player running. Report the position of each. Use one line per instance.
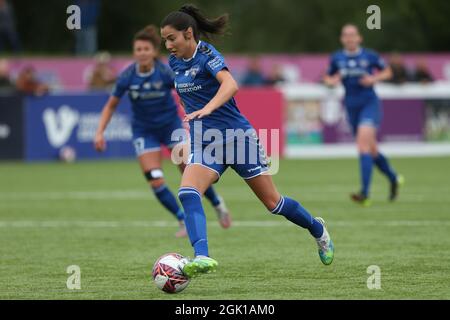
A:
(149, 83)
(206, 87)
(354, 66)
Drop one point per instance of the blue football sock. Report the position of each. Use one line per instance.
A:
(366, 164)
(382, 163)
(212, 196)
(168, 200)
(294, 212)
(195, 219)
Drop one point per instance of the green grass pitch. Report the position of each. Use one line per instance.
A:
(102, 217)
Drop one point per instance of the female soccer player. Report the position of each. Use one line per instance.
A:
(149, 84)
(354, 67)
(206, 88)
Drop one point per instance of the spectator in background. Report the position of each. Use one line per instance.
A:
(421, 73)
(399, 71)
(5, 80)
(102, 76)
(276, 76)
(86, 38)
(28, 83)
(8, 28)
(253, 76)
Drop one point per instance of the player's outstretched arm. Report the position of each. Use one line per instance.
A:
(383, 75)
(332, 80)
(228, 88)
(107, 112)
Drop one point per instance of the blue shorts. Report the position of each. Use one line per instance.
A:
(150, 139)
(367, 114)
(244, 154)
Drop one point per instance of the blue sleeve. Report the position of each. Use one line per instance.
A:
(377, 61)
(214, 64)
(332, 68)
(121, 85)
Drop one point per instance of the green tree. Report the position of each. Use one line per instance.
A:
(257, 26)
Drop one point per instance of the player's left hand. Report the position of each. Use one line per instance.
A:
(197, 114)
(368, 81)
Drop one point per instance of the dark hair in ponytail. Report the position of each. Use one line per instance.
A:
(191, 16)
(149, 33)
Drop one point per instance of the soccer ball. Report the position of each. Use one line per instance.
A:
(67, 154)
(168, 275)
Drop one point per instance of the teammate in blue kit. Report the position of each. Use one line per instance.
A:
(354, 66)
(206, 87)
(149, 84)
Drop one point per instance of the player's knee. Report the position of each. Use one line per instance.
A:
(374, 151)
(364, 151)
(364, 147)
(271, 203)
(155, 177)
(155, 184)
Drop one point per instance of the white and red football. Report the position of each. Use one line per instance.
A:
(168, 273)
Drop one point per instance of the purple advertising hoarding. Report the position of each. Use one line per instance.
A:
(71, 74)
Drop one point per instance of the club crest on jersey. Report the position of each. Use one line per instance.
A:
(147, 85)
(364, 63)
(192, 71)
(351, 63)
(157, 85)
(134, 94)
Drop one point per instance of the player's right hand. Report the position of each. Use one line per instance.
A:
(99, 142)
(332, 81)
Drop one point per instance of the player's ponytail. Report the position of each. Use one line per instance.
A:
(149, 33)
(191, 16)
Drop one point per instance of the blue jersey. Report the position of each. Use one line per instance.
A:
(150, 94)
(196, 84)
(352, 67)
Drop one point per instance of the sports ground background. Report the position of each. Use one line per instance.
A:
(99, 214)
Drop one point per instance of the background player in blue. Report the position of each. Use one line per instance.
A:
(149, 84)
(354, 66)
(207, 88)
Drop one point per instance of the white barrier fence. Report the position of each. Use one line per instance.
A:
(316, 103)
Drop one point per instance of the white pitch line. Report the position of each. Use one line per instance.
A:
(239, 224)
(76, 195)
(142, 195)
